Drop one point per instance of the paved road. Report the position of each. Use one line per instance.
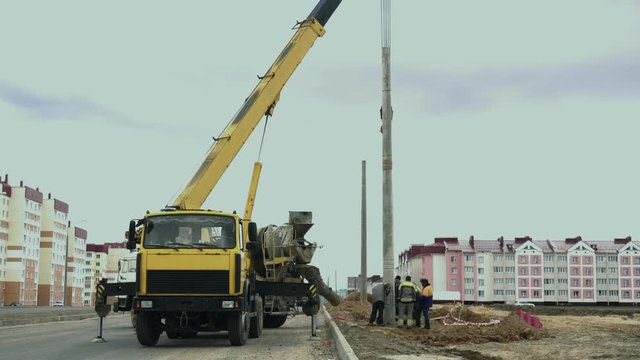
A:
(71, 340)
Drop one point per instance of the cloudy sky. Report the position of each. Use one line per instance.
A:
(510, 118)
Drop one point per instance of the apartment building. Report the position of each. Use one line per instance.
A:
(5, 192)
(53, 245)
(76, 258)
(95, 269)
(23, 245)
(543, 271)
(102, 262)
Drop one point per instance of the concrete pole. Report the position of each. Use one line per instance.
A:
(363, 232)
(387, 195)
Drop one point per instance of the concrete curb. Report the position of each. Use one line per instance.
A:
(345, 352)
(43, 318)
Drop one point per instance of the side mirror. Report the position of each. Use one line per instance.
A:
(131, 241)
(253, 232)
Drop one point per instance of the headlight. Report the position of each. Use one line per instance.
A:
(146, 304)
(227, 304)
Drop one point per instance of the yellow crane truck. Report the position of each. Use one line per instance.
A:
(206, 270)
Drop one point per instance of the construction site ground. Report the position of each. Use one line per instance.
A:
(568, 332)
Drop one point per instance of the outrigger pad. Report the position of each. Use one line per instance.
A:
(103, 309)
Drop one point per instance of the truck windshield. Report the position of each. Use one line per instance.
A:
(190, 231)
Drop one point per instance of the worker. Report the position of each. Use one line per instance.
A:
(408, 292)
(397, 295)
(426, 301)
(377, 305)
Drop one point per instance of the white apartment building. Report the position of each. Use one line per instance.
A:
(23, 245)
(53, 245)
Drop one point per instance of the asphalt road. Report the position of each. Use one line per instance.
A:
(70, 340)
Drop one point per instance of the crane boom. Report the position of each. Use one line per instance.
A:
(260, 102)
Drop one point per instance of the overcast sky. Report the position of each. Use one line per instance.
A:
(510, 118)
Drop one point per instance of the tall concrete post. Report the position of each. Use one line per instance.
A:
(363, 235)
(387, 195)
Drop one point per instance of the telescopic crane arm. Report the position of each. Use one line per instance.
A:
(260, 102)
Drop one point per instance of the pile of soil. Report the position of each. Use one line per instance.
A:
(510, 328)
(355, 296)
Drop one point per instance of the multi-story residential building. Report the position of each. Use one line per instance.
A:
(5, 192)
(23, 245)
(76, 258)
(102, 262)
(523, 269)
(95, 269)
(53, 246)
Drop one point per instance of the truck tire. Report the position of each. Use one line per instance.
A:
(257, 322)
(134, 319)
(148, 328)
(274, 321)
(238, 326)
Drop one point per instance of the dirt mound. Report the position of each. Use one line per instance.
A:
(449, 325)
(355, 296)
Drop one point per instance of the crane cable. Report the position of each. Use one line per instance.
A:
(264, 131)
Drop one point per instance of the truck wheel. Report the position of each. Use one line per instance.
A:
(257, 322)
(274, 321)
(148, 328)
(238, 326)
(134, 319)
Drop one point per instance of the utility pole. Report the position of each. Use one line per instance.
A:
(386, 112)
(363, 232)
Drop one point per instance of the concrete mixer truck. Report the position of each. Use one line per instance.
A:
(200, 270)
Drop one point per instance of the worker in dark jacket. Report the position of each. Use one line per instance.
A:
(408, 293)
(426, 301)
(397, 281)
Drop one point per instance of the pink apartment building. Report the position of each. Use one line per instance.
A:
(541, 271)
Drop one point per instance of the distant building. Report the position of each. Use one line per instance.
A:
(76, 262)
(23, 245)
(353, 283)
(542, 271)
(53, 243)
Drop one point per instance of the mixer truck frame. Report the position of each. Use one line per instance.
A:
(208, 270)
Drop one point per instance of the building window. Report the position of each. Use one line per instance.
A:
(453, 259)
(626, 283)
(480, 271)
(625, 260)
(613, 258)
(626, 295)
(587, 260)
(536, 293)
(575, 294)
(523, 271)
(535, 259)
(481, 293)
(535, 271)
(548, 258)
(454, 271)
(523, 293)
(587, 271)
(562, 270)
(574, 260)
(480, 259)
(536, 282)
(454, 282)
(588, 294)
(497, 257)
(575, 282)
(549, 281)
(509, 269)
(498, 281)
(625, 271)
(468, 291)
(549, 270)
(523, 282)
(498, 292)
(497, 269)
(588, 283)
(575, 271)
(468, 257)
(480, 282)
(522, 259)
(613, 292)
(549, 292)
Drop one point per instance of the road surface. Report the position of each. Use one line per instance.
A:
(71, 340)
